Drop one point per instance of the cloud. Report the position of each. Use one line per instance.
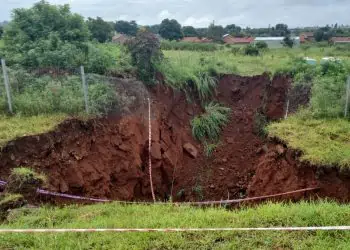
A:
(201, 13)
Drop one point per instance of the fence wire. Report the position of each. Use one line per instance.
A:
(69, 91)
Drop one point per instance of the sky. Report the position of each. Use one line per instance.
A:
(200, 13)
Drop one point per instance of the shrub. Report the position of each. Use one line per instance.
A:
(251, 50)
(145, 53)
(209, 125)
(261, 45)
(204, 86)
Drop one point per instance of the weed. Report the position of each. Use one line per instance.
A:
(208, 126)
(209, 148)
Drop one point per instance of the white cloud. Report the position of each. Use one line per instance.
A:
(202, 12)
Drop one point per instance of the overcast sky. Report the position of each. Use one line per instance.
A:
(199, 13)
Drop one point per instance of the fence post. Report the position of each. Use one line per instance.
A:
(7, 85)
(85, 89)
(347, 98)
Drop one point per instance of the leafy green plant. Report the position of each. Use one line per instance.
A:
(209, 148)
(208, 126)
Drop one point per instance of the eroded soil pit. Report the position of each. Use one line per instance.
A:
(108, 158)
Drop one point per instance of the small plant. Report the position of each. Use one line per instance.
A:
(205, 86)
(198, 190)
(260, 122)
(24, 181)
(209, 149)
(209, 125)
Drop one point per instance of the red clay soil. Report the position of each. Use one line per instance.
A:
(108, 158)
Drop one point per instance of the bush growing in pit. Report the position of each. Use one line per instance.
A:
(208, 126)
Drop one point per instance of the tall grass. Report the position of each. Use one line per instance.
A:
(208, 126)
(174, 45)
(168, 216)
(35, 95)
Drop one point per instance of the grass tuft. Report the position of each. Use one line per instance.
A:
(24, 181)
(208, 126)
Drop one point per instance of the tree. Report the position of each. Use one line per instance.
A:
(1, 31)
(170, 29)
(288, 41)
(127, 28)
(216, 32)
(152, 28)
(145, 53)
(100, 30)
(233, 30)
(280, 30)
(189, 31)
(48, 35)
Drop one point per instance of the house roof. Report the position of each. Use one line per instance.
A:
(279, 38)
(193, 39)
(236, 40)
(341, 39)
(307, 34)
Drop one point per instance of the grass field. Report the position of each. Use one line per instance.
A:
(18, 126)
(1, 43)
(167, 216)
(322, 141)
(227, 62)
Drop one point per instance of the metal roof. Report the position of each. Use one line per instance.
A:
(280, 38)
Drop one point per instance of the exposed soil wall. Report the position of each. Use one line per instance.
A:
(109, 157)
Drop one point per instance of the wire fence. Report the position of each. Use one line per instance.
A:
(70, 91)
(327, 102)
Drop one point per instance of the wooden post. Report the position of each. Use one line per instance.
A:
(85, 89)
(7, 85)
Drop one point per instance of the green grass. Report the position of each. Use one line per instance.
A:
(208, 126)
(322, 141)
(167, 216)
(2, 43)
(224, 61)
(18, 126)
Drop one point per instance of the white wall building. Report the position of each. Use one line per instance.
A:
(276, 42)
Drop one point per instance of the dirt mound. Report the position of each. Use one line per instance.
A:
(280, 171)
(109, 157)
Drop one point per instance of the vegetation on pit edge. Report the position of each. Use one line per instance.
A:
(322, 141)
(168, 216)
(19, 126)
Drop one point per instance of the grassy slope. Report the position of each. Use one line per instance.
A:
(1, 43)
(17, 126)
(323, 142)
(141, 216)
